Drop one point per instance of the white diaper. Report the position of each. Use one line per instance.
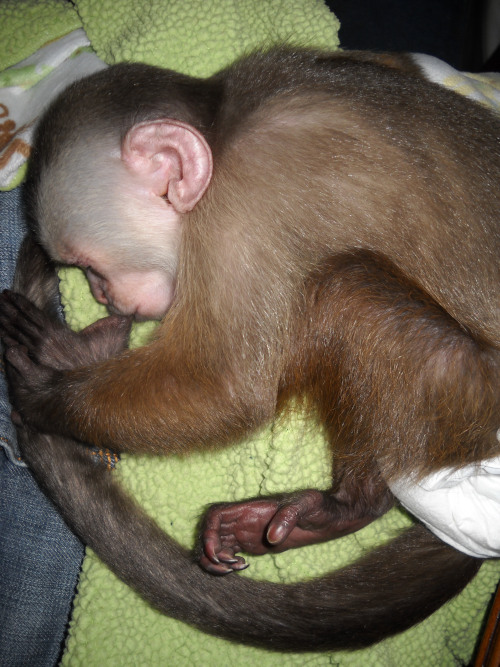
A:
(461, 507)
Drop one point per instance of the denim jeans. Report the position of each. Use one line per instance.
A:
(39, 557)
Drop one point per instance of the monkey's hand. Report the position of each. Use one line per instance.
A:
(270, 525)
(38, 349)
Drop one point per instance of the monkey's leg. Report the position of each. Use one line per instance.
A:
(397, 382)
(277, 523)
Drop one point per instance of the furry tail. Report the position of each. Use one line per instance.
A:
(391, 589)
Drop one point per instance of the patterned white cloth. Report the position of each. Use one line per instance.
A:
(27, 88)
(483, 88)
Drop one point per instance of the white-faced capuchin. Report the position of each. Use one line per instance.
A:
(307, 226)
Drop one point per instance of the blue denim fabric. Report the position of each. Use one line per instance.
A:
(39, 557)
(12, 230)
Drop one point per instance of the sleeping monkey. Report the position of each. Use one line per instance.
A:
(308, 226)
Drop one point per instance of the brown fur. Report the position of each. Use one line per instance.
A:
(346, 252)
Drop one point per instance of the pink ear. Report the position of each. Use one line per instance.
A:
(174, 158)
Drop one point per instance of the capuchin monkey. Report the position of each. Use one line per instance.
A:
(307, 226)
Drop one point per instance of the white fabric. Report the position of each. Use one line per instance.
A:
(461, 507)
(483, 88)
(26, 89)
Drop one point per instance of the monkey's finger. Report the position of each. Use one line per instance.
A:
(282, 524)
(15, 376)
(12, 336)
(235, 562)
(8, 329)
(18, 359)
(16, 418)
(214, 568)
(212, 544)
(111, 325)
(111, 333)
(26, 308)
(18, 314)
(7, 341)
(220, 555)
(12, 299)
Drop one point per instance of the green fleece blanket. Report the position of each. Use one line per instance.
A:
(111, 625)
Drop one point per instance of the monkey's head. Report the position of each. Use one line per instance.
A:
(111, 199)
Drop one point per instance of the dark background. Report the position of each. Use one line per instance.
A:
(453, 30)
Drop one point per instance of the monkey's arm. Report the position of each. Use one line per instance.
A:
(260, 526)
(56, 390)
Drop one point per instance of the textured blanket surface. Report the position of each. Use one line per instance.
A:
(111, 625)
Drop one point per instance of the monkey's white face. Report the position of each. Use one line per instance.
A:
(147, 295)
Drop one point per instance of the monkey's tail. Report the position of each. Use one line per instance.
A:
(389, 590)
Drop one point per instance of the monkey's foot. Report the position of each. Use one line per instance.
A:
(271, 525)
